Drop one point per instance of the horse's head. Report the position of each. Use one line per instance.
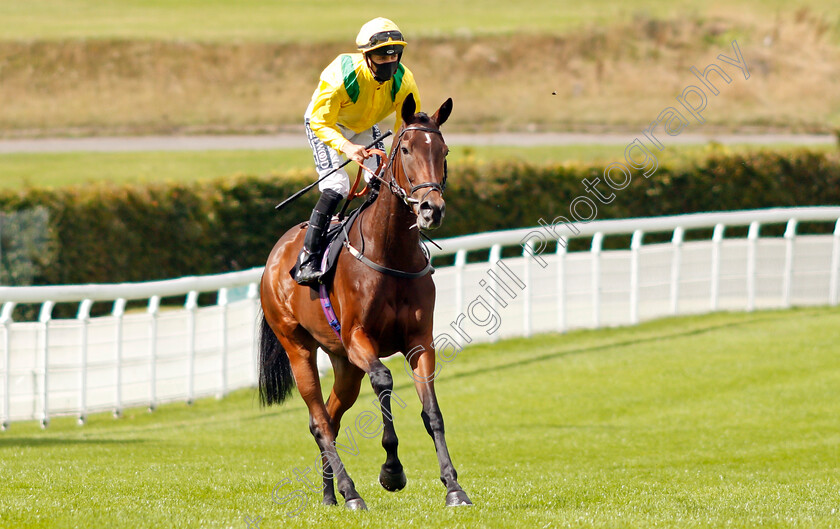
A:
(419, 162)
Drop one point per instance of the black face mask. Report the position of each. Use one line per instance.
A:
(385, 71)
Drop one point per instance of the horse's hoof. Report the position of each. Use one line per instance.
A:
(356, 505)
(456, 498)
(392, 482)
(330, 501)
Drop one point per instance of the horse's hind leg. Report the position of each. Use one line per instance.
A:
(345, 391)
(309, 385)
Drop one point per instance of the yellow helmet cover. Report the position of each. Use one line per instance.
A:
(378, 33)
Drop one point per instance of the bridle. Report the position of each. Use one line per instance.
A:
(401, 193)
(396, 189)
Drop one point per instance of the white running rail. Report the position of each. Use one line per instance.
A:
(89, 364)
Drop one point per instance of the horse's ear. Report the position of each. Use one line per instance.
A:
(408, 108)
(443, 112)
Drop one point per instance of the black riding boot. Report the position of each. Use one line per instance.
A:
(309, 260)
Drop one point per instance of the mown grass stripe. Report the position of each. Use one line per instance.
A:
(723, 419)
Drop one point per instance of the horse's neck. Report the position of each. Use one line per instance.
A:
(389, 238)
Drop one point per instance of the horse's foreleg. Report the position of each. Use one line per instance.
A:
(423, 367)
(363, 352)
(392, 476)
(345, 391)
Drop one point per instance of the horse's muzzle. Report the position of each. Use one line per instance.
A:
(431, 214)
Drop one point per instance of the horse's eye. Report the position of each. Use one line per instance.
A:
(404, 150)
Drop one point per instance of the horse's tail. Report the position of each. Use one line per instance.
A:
(276, 380)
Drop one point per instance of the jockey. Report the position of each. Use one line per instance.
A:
(356, 91)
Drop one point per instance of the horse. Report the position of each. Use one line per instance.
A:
(383, 297)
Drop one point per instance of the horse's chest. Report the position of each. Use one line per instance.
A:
(396, 316)
(393, 311)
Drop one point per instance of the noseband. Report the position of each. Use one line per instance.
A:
(433, 186)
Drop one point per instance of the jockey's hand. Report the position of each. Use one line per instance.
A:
(357, 153)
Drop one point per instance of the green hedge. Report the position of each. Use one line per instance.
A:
(503, 196)
(112, 234)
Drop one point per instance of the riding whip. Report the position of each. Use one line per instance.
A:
(310, 186)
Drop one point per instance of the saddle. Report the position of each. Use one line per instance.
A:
(336, 235)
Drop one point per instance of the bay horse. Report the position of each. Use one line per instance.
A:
(383, 307)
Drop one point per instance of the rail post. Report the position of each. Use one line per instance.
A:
(495, 256)
(835, 265)
(83, 317)
(6, 322)
(152, 310)
(527, 255)
(635, 246)
(191, 306)
(717, 241)
(44, 318)
(790, 238)
(676, 265)
(752, 247)
(118, 313)
(460, 263)
(561, 286)
(223, 304)
(597, 243)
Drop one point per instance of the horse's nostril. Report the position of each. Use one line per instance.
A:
(427, 210)
(431, 213)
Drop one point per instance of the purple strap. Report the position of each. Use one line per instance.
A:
(332, 319)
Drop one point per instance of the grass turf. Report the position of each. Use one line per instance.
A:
(19, 171)
(711, 421)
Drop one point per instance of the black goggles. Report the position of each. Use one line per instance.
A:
(384, 36)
